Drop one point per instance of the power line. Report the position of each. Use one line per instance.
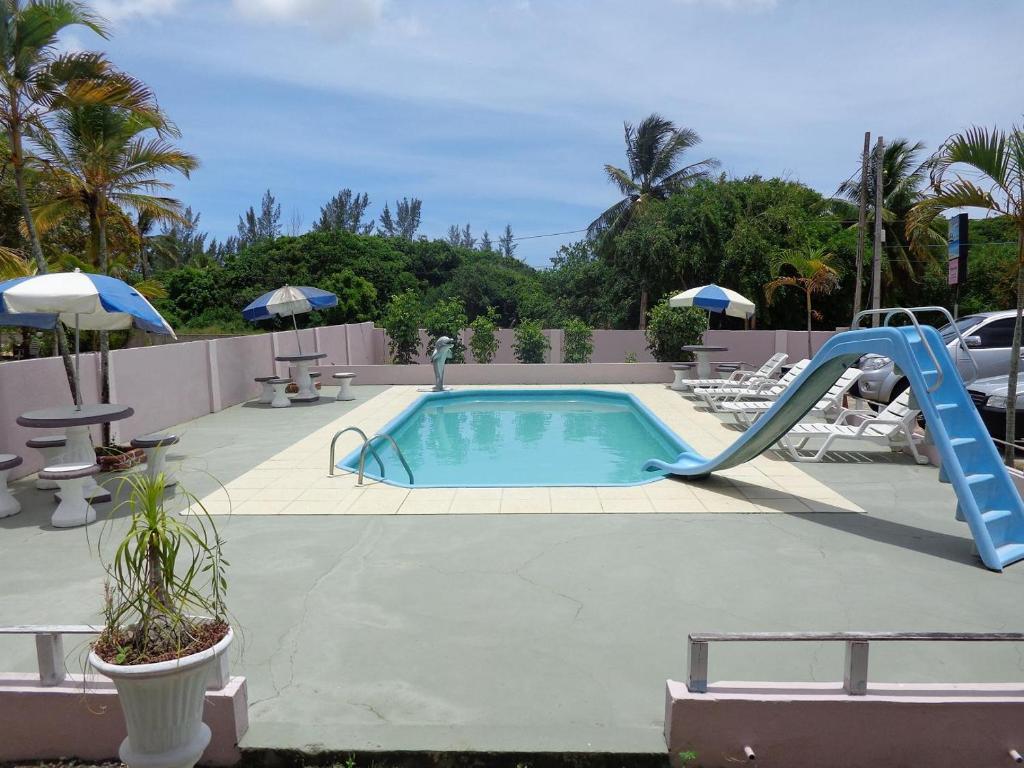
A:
(552, 234)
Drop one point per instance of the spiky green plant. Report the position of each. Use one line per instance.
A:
(166, 581)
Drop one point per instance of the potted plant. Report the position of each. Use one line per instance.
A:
(164, 625)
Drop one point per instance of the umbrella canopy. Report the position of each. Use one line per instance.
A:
(79, 299)
(290, 300)
(101, 303)
(714, 298)
(28, 320)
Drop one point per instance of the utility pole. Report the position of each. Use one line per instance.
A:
(862, 224)
(876, 263)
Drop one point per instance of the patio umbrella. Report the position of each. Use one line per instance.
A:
(714, 298)
(78, 299)
(290, 300)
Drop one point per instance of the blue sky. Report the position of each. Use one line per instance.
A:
(505, 111)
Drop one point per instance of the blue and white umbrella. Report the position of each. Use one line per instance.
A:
(290, 300)
(714, 298)
(79, 299)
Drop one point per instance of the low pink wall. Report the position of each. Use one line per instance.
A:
(85, 721)
(811, 725)
(27, 385)
(755, 347)
(166, 384)
(515, 373)
(236, 363)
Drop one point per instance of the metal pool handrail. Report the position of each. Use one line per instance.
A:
(368, 445)
(366, 440)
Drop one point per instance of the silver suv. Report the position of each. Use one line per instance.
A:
(989, 336)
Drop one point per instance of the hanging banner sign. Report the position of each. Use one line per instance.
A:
(959, 242)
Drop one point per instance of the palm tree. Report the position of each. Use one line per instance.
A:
(103, 160)
(995, 159)
(653, 151)
(811, 270)
(35, 79)
(904, 175)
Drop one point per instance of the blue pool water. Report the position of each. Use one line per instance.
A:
(523, 437)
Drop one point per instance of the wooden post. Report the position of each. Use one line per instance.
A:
(862, 225)
(876, 263)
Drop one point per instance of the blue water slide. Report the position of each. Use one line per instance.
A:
(988, 500)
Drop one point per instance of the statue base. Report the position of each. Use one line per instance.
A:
(433, 389)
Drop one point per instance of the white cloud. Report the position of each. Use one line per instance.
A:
(325, 16)
(116, 10)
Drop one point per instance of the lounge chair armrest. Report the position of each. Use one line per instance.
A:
(874, 422)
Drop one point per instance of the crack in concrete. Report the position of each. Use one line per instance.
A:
(295, 631)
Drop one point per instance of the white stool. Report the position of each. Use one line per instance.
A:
(680, 370)
(8, 504)
(156, 446)
(52, 447)
(280, 399)
(344, 386)
(73, 509)
(267, 391)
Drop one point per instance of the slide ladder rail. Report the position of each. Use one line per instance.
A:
(988, 500)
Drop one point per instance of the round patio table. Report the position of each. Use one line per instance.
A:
(303, 380)
(76, 422)
(702, 352)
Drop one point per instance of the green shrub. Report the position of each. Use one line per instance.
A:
(631, 357)
(447, 318)
(531, 343)
(669, 329)
(401, 323)
(579, 341)
(484, 342)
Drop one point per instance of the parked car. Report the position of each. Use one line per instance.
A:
(989, 396)
(989, 336)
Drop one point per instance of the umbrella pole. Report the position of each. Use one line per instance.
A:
(78, 377)
(298, 339)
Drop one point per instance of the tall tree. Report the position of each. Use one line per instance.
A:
(984, 168)
(266, 225)
(454, 236)
(812, 271)
(36, 79)
(345, 211)
(104, 161)
(406, 220)
(486, 245)
(506, 243)
(905, 255)
(468, 241)
(654, 150)
(407, 211)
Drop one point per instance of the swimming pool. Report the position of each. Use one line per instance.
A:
(520, 437)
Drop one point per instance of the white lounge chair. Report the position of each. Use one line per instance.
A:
(747, 411)
(766, 371)
(767, 389)
(893, 426)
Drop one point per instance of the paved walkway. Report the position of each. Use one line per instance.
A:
(540, 631)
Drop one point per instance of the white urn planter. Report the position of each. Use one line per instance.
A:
(163, 707)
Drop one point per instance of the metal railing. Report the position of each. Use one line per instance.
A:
(855, 675)
(50, 652)
(366, 440)
(368, 446)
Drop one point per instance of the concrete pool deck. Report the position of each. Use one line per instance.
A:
(538, 632)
